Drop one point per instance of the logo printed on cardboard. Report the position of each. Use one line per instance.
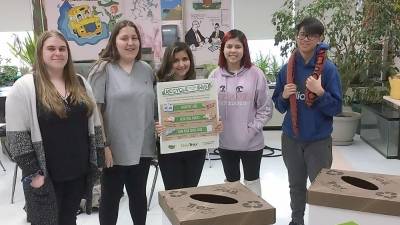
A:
(387, 194)
(333, 185)
(177, 193)
(381, 180)
(334, 173)
(232, 191)
(252, 204)
(193, 207)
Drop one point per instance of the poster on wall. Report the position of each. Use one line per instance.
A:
(206, 22)
(87, 24)
(189, 112)
(171, 10)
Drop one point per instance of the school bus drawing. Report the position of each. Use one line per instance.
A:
(83, 23)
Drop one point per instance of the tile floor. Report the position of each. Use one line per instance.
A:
(359, 156)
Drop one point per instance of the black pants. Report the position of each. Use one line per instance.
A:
(251, 161)
(68, 196)
(182, 169)
(112, 184)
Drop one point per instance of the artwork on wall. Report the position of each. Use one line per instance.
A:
(207, 4)
(171, 10)
(87, 24)
(206, 22)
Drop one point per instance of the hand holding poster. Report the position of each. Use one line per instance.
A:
(189, 112)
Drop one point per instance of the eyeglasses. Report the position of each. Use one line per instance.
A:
(310, 37)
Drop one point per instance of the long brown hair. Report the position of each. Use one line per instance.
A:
(110, 53)
(47, 93)
(164, 73)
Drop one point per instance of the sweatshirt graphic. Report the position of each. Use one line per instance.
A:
(244, 107)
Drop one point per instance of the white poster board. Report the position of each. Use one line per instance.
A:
(189, 112)
(205, 24)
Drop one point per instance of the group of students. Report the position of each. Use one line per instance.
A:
(62, 128)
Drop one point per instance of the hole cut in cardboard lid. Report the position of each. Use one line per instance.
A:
(216, 199)
(360, 183)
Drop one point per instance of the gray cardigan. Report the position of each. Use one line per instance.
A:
(26, 148)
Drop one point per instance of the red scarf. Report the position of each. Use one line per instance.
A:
(310, 96)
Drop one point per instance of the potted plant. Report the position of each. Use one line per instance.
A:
(8, 73)
(25, 49)
(204, 70)
(354, 32)
(269, 65)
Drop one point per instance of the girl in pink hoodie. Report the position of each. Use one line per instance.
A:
(244, 106)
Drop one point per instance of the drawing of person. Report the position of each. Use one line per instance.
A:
(112, 14)
(193, 37)
(106, 3)
(95, 12)
(217, 35)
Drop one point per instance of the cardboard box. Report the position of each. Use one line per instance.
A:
(365, 198)
(222, 204)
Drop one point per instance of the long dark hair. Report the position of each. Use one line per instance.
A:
(110, 53)
(164, 73)
(245, 61)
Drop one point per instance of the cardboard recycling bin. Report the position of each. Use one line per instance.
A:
(222, 204)
(337, 196)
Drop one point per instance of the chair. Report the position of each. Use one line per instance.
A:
(83, 67)
(14, 183)
(154, 162)
(210, 152)
(208, 156)
(2, 134)
(4, 146)
(2, 166)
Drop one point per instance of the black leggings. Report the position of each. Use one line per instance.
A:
(112, 184)
(181, 169)
(68, 196)
(251, 161)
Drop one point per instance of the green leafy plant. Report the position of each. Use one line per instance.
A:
(208, 68)
(8, 74)
(364, 39)
(25, 49)
(269, 65)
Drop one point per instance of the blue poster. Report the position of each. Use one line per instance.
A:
(171, 10)
(81, 24)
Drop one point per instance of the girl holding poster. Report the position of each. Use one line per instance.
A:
(180, 169)
(244, 107)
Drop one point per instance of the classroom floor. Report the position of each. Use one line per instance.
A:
(359, 157)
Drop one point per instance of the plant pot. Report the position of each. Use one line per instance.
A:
(344, 127)
(394, 87)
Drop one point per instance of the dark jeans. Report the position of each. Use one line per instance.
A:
(112, 184)
(68, 196)
(251, 161)
(181, 169)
